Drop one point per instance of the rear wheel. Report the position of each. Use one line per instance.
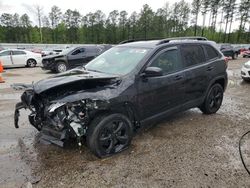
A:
(61, 67)
(234, 56)
(213, 100)
(109, 134)
(246, 79)
(31, 63)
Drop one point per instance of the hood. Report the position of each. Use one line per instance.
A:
(75, 80)
(53, 56)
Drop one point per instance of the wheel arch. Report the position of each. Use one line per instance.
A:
(126, 108)
(31, 58)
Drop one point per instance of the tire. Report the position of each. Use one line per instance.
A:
(61, 67)
(235, 56)
(109, 134)
(213, 100)
(31, 63)
(246, 79)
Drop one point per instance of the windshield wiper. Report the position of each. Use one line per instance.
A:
(92, 70)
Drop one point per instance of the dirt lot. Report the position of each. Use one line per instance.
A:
(187, 150)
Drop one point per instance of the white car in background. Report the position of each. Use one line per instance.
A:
(16, 58)
(245, 71)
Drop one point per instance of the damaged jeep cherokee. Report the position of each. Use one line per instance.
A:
(135, 84)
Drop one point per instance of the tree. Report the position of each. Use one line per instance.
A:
(39, 14)
(55, 16)
(99, 17)
(204, 10)
(122, 24)
(243, 15)
(72, 21)
(6, 20)
(214, 6)
(145, 21)
(196, 4)
(111, 26)
(133, 19)
(228, 8)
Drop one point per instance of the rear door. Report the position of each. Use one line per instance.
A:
(19, 57)
(91, 53)
(76, 58)
(5, 57)
(159, 94)
(196, 71)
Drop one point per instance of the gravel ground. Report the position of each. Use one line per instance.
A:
(189, 149)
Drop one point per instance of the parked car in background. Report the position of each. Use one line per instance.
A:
(47, 52)
(228, 50)
(16, 57)
(72, 57)
(245, 71)
(131, 86)
(246, 53)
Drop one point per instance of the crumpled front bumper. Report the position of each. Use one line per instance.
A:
(55, 121)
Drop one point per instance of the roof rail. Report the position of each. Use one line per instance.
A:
(181, 38)
(127, 41)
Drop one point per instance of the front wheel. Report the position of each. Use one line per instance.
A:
(61, 67)
(109, 134)
(213, 100)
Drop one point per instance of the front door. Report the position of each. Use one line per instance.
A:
(162, 93)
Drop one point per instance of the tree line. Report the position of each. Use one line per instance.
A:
(179, 19)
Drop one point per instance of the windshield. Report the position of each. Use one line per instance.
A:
(118, 60)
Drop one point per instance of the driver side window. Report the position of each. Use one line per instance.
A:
(168, 61)
(78, 51)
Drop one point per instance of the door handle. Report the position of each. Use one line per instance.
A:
(210, 68)
(178, 77)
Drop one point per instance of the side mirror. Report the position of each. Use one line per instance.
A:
(152, 72)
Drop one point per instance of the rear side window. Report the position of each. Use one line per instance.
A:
(211, 52)
(19, 53)
(168, 61)
(192, 55)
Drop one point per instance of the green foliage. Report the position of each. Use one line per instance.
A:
(180, 19)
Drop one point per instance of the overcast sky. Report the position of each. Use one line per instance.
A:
(83, 6)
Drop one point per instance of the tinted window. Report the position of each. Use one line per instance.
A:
(211, 52)
(19, 53)
(5, 53)
(192, 55)
(168, 61)
(118, 60)
(78, 51)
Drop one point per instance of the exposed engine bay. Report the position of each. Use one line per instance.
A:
(63, 111)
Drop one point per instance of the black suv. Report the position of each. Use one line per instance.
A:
(128, 87)
(229, 51)
(72, 57)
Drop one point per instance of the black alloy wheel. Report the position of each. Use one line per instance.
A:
(213, 100)
(109, 134)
